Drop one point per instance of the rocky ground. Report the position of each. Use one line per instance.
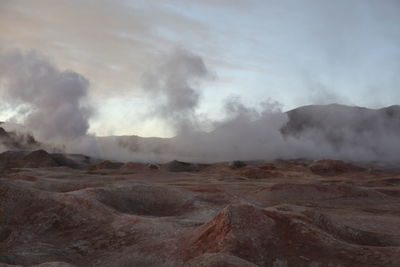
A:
(58, 210)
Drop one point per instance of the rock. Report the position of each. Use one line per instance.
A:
(331, 167)
(180, 166)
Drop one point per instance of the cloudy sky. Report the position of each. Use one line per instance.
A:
(296, 52)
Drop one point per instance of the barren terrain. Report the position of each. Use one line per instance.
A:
(58, 210)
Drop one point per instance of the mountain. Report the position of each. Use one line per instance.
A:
(315, 131)
(330, 120)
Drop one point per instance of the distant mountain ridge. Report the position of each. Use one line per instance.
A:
(334, 121)
(345, 130)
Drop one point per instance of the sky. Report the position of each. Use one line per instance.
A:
(295, 52)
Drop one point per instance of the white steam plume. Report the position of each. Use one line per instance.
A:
(54, 101)
(174, 88)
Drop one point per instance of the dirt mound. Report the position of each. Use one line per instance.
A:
(311, 193)
(133, 166)
(38, 159)
(269, 238)
(180, 166)
(332, 167)
(251, 172)
(106, 164)
(357, 229)
(42, 220)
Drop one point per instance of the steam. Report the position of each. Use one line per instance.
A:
(262, 132)
(54, 105)
(173, 86)
(245, 133)
(54, 102)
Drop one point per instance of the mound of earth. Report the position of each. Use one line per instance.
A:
(106, 164)
(252, 172)
(332, 167)
(133, 166)
(41, 159)
(37, 159)
(269, 238)
(180, 166)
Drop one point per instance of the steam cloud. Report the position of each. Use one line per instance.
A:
(54, 101)
(174, 88)
(54, 105)
(263, 132)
